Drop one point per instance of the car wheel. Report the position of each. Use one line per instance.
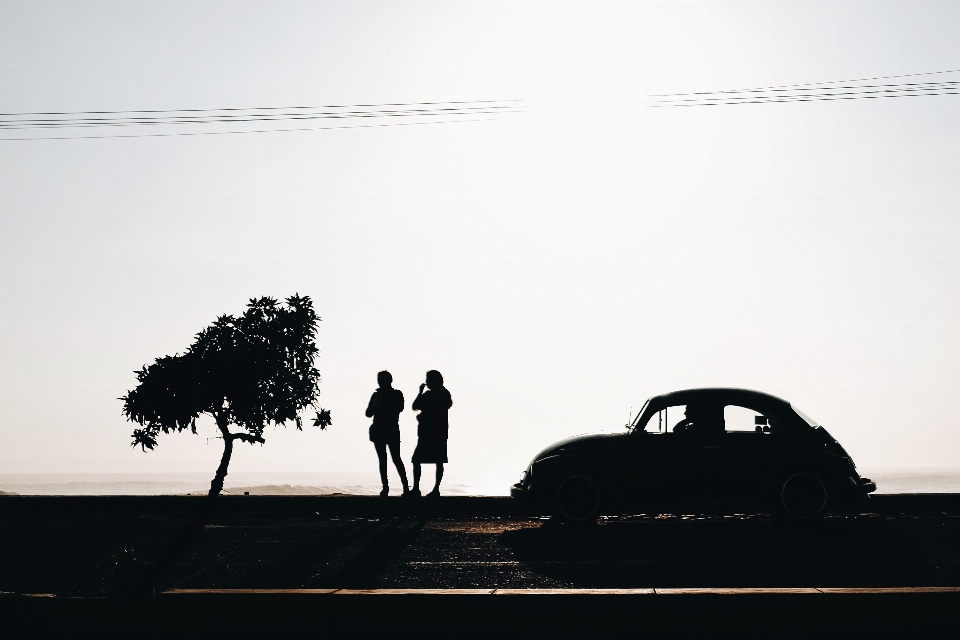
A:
(804, 496)
(578, 499)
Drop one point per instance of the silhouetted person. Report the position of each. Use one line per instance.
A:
(432, 429)
(701, 421)
(385, 406)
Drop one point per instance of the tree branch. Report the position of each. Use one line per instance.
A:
(245, 437)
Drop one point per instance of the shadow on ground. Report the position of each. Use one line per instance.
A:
(725, 552)
(86, 547)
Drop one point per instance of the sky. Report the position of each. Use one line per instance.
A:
(558, 265)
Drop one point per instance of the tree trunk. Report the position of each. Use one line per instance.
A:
(216, 486)
(180, 543)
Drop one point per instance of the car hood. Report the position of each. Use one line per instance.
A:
(581, 444)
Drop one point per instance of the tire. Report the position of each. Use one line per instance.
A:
(803, 496)
(578, 499)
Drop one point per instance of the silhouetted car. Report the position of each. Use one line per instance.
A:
(732, 448)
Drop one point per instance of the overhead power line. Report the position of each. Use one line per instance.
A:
(326, 106)
(819, 84)
(809, 96)
(386, 114)
(220, 133)
(802, 99)
(810, 92)
(905, 86)
(247, 117)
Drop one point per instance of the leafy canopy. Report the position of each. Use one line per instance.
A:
(247, 371)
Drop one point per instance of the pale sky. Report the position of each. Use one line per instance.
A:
(558, 266)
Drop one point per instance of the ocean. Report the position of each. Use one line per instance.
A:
(328, 483)
(278, 483)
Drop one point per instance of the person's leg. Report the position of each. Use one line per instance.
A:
(416, 477)
(382, 455)
(436, 488)
(398, 463)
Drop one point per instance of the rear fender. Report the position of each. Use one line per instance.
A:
(824, 467)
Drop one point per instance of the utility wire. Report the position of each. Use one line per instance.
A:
(906, 86)
(233, 118)
(388, 114)
(812, 84)
(808, 95)
(767, 100)
(217, 133)
(328, 106)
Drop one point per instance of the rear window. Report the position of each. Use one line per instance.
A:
(810, 421)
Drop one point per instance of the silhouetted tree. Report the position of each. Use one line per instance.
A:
(245, 372)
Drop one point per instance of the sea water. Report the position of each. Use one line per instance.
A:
(327, 483)
(277, 483)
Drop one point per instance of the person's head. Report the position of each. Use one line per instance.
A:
(434, 379)
(706, 419)
(384, 379)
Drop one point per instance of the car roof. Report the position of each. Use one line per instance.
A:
(718, 395)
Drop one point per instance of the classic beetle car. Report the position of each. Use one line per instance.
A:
(730, 448)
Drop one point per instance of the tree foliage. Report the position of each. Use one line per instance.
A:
(246, 371)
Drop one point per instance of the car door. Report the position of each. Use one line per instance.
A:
(736, 467)
(669, 465)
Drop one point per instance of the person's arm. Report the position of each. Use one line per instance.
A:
(417, 404)
(371, 408)
(399, 401)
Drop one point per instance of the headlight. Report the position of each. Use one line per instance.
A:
(527, 475)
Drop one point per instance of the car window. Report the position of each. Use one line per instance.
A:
(666, 419)
(737, 419)
(704, 419)
(810, 421)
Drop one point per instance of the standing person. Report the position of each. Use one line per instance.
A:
(384, 407)
(432, 429)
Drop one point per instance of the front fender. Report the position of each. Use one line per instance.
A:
(547, 473)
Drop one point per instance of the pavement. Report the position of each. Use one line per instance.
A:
(501, 613)
(895, 565)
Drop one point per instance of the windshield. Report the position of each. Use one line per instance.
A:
(810, 421)
(633, 425)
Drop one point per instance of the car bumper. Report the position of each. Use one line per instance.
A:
(866, 485)
(856, 491)
(519, 491)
